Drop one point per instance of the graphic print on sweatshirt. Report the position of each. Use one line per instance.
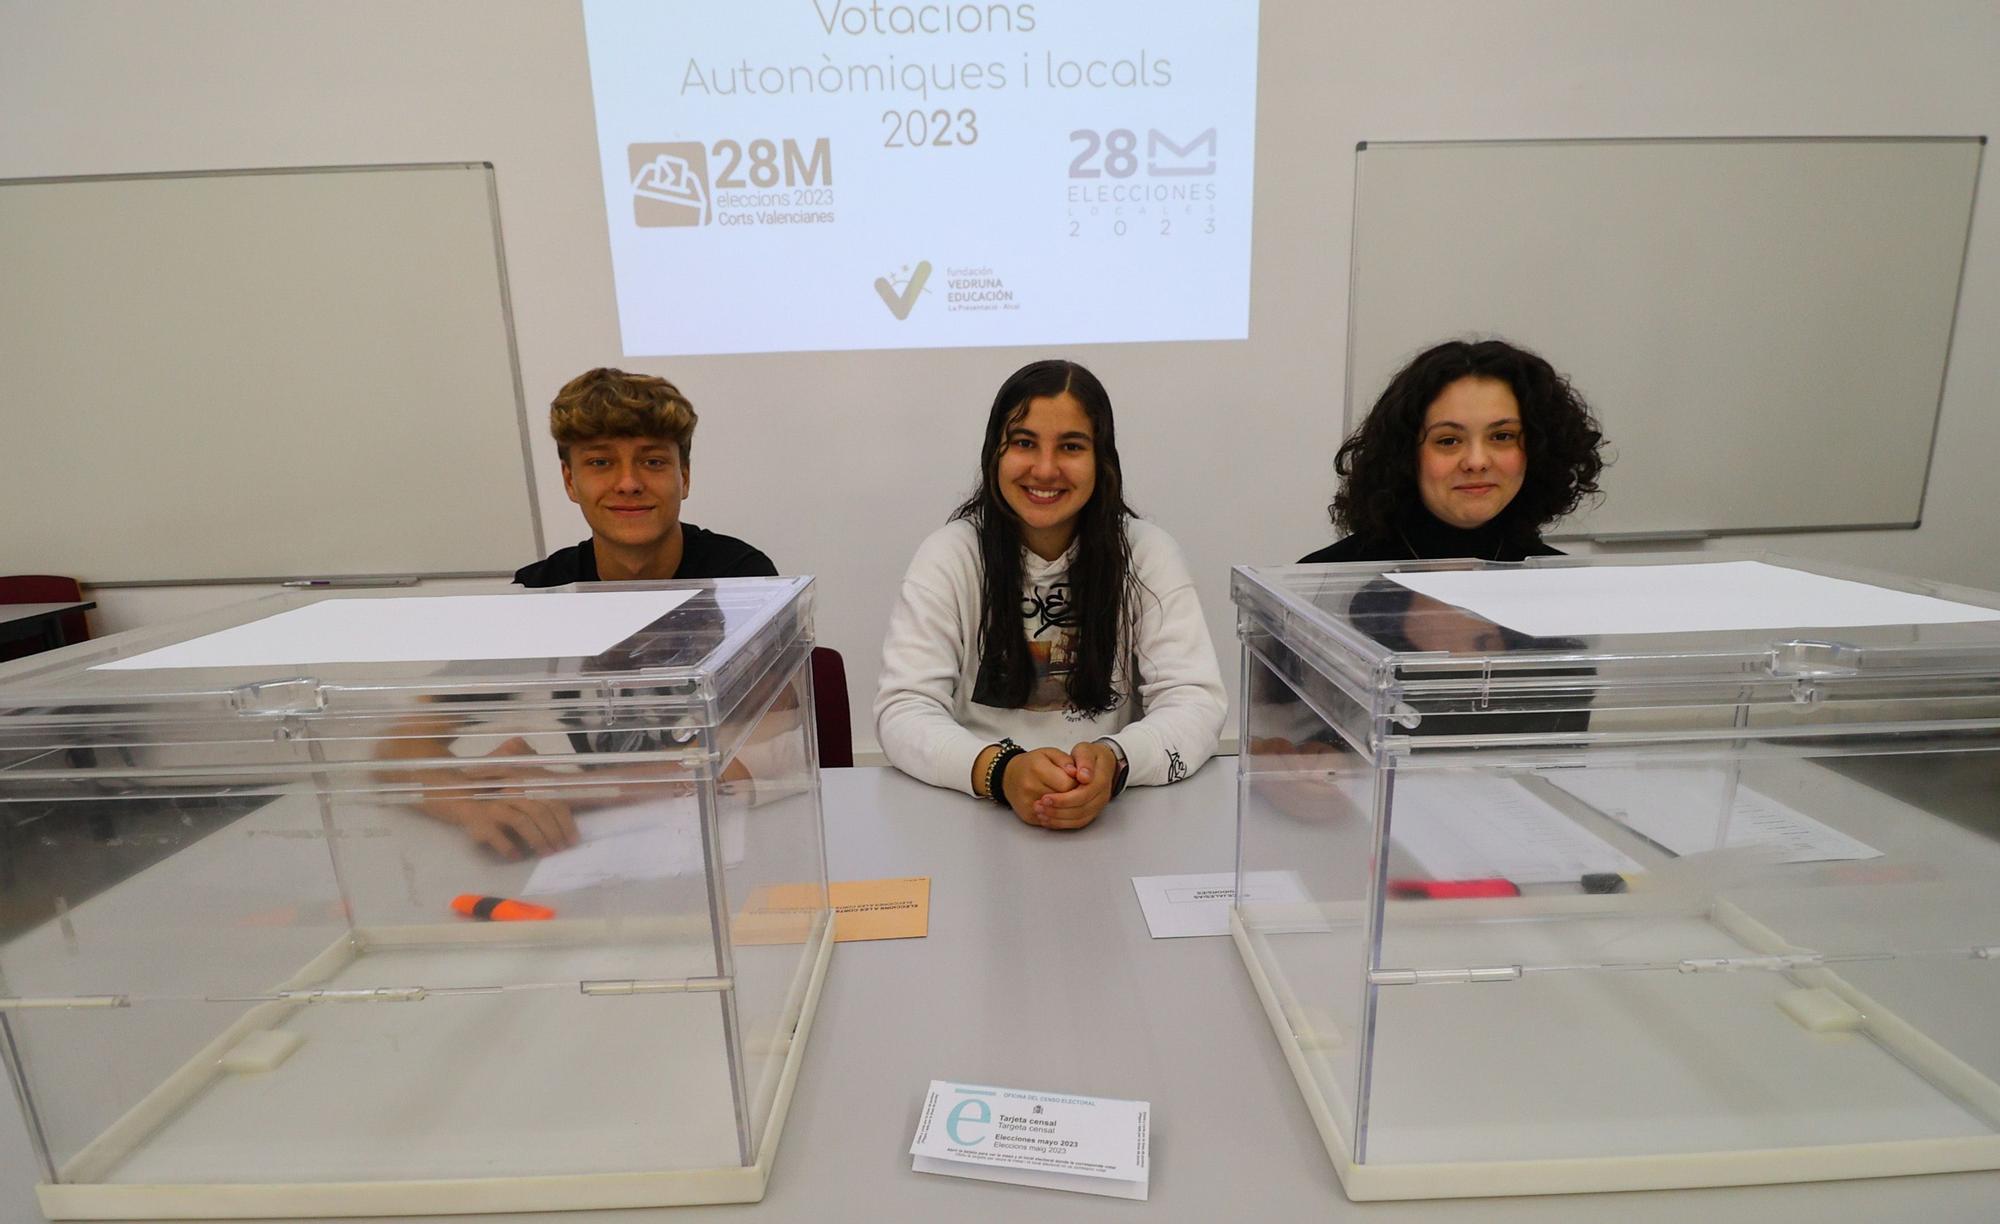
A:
(1050, 622)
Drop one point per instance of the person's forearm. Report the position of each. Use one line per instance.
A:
(1181, 692)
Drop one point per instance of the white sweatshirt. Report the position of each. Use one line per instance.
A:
(930, 727)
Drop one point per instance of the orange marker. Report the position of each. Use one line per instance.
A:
(500, 909)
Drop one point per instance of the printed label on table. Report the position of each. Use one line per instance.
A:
(1094, 1145)
(1177, 906)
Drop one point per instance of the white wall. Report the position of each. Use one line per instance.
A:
(1227, 445)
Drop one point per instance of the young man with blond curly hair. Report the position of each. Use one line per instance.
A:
(624, 441)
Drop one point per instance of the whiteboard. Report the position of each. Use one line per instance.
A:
(260, 375)
(1761, 325)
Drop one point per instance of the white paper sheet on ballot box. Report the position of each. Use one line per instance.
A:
(1588, 601)
(1058, 1141)
(422, 629)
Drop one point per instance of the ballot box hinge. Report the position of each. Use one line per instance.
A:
(298, 695)
(1737, 964)
(37, 1002)
(633, 986)
(1811, 658)
(1443, 977)
(376, 994)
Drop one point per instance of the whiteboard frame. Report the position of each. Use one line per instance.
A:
(527, 474)
(1349, 407)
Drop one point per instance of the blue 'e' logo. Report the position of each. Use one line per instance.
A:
(962, 1112)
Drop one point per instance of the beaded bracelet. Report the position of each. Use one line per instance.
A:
(996, 770)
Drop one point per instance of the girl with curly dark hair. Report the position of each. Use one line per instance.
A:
(1047, 646)
(1472, 450)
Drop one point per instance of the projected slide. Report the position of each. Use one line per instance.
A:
(793, 175)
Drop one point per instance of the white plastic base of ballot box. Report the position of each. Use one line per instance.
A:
(1434, 1100)
(300, 1117)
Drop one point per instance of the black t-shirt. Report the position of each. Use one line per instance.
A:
(698, 624)
(1382, 608)
(1422, 537)
(704, 554)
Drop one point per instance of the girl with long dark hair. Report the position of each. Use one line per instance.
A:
(1048, 648)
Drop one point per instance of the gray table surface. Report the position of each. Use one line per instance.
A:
(1038, 973)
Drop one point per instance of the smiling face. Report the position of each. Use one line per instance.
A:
(630, 490)
(1047, 471)
(1470, 455)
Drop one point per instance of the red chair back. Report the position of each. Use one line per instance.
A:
(44, 588)
(830, 716)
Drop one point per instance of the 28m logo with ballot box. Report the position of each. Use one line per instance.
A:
(1115, 154)
(670, 184)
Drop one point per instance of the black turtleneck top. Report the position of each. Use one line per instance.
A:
(1420, 536)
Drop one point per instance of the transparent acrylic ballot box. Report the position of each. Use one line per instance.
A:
(1594, 904)
(245, 965)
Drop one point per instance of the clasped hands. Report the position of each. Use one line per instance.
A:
(1053, 789)
(512, 807)
(502, 813)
